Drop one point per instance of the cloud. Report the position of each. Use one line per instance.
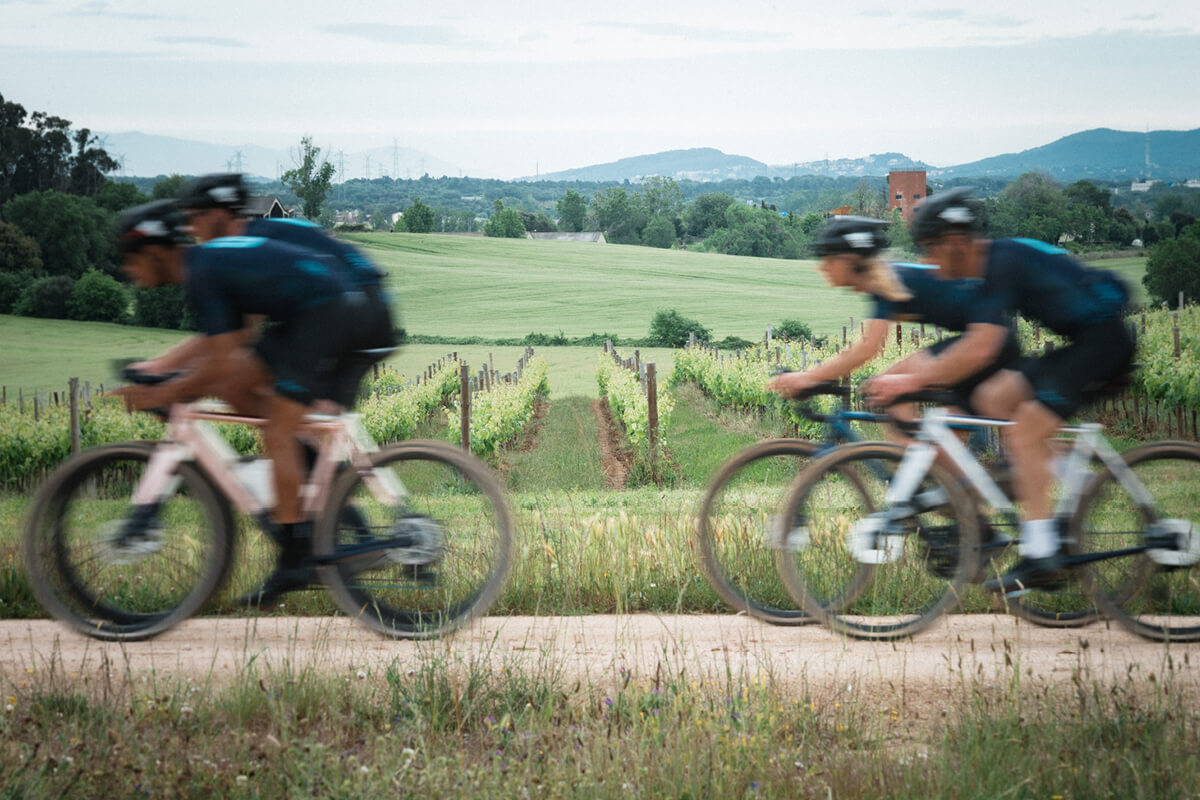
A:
(210, 41)
(938, 14)
(97, 8)
(399, 34)
(689, 32)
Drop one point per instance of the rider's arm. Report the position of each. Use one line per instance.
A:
(180, 358)
(209, 358)
(869, 346)
(979, 346)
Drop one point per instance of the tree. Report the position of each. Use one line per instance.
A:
(418, 218)
(1173, 266)
(619, 215)
(98, 297)
(504, 223)
(662, 197)
(12, 284)
(659, 232)
(18, 251)
(39, 152)
(118, 195)
(707, 213)
(669, 328)
(572, 209)
(73, 233)
(168, 187)
(311, 179)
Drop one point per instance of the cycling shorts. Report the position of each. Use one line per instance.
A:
(314, 356)
(1068, 378)
(1010, 353)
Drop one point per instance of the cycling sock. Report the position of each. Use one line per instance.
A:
(1039, 538)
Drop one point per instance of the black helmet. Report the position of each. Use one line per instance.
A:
(956, 210)
(159, 222)
(219, 190)
(844, 234)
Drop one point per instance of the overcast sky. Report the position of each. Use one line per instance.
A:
(507, 89)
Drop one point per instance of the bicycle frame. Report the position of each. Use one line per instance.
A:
(935, 433)
(191, 437)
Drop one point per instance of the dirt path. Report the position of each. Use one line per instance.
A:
(963, 650)
(614, 458)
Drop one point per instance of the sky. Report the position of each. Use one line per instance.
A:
(511, 89)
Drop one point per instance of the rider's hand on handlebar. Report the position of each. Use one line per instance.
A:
(882, 390)
(790, 384)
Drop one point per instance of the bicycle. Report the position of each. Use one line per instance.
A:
(854, 565)
(127, 540)
(743, 496)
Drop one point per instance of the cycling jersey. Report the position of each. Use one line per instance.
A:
(1043, 283)
(950, 304)
(231, 277)
(303, 233)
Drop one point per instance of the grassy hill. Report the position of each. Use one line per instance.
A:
(467, 286)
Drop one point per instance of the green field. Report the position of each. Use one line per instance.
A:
(499, 288)
(462, 286)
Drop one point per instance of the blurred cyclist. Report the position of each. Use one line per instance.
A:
(1045, 285)
(314, 321)
(850, 249)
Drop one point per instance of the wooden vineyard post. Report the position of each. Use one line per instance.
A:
(652, 407)
(74, 416)
(464, 383)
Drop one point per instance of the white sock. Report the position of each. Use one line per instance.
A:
(1039, 538)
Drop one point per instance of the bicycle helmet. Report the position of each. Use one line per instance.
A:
(218, 190)
(865, 236)
(953, 211)
(158, 222)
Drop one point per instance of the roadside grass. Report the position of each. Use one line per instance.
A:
(489, 724)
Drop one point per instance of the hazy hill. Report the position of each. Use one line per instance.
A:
(697, 163)
(145, 155)
(1100, 153)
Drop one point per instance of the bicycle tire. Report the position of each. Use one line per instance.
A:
(849, 571)
(733, 529)
(1156, 600)
(82, 570)
(451, 495)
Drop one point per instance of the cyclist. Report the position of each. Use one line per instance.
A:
(1045, 285)
(215, 205)
(849, 248)
(314, 321)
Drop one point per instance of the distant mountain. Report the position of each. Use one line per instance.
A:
(146, 155)
(697, 164)
(877, 165)
(1100, 153)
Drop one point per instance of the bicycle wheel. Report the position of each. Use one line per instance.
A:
(1153, 591)
(869, 568)
(121, 572)
(734, 531)
(417, 545)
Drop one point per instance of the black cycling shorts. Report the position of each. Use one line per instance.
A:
(963, 389)
(1068, 378)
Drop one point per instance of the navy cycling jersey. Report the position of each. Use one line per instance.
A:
(231, 277)
(948, 303)
(1043, 283)
(303, 233)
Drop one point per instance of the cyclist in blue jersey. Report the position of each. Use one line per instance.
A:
(849, 248)
(215, 206)
(1045, 285)
(313, 322)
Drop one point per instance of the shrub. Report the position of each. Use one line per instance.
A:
(161, 307)
(670, 329)
(11, 286)
(659, 232)
(18, 251)
(46, 297)
(100, 298)
(794, 331)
